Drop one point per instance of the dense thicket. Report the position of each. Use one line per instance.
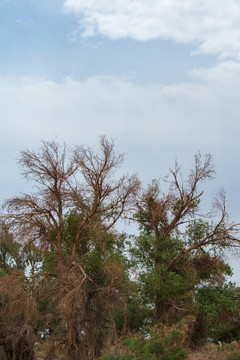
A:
(72, 282)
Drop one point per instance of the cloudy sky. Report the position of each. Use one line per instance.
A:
(161, 77)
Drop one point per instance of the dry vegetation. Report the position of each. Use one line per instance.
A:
(217, 352)
(80, 298)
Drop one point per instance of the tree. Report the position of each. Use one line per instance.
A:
(82, 180)
(10, 251)
(78, 293)
(78, 188)
(218, 315)
(177, 247)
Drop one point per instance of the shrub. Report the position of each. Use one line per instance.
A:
(162, 343)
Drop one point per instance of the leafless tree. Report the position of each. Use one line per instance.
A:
(99, 195)
(38, 215)
(83, 180)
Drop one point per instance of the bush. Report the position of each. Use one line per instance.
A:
(232, 350)
(162, 343)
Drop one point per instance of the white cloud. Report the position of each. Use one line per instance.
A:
(201, 114)
(31, 109)
(22, 22)
(213, 24)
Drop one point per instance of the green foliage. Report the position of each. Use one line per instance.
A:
(137, 313)
(10, 251)
(219, 312)
(232, 350)
(92, 285)
(49, 262)
(161, 343)
(166, 288)
(234, 356)
(196, 230)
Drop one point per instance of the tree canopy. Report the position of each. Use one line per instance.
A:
(73, 282)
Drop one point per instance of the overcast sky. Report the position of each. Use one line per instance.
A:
(161, 77)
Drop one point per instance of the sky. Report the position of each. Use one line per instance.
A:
(160, 77)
